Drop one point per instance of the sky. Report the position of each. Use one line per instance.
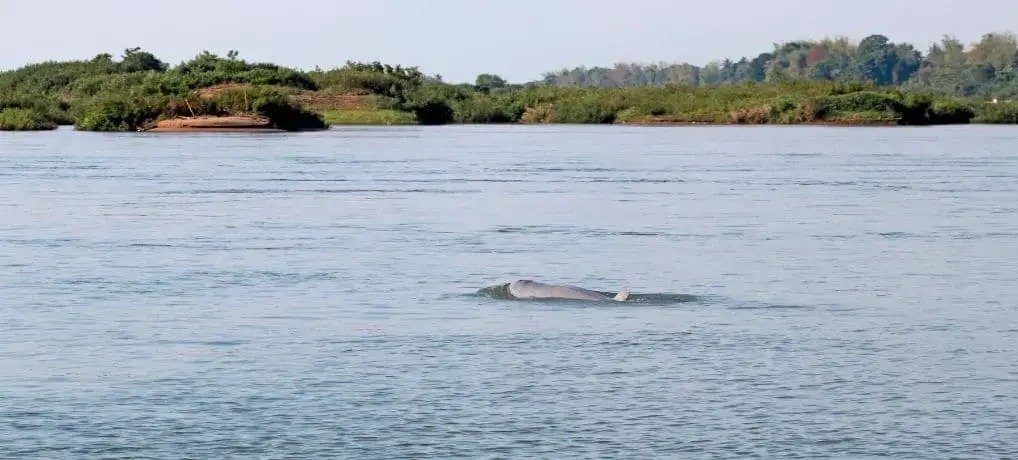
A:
(459, 39)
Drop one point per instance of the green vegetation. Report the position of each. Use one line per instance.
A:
(20, 114)
(987, 69)
(1003, 113)
(874, 81)
(140, 90)
(14, 119)
(368, 117)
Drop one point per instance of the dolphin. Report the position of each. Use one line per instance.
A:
(528, 289)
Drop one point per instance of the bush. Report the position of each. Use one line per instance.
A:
(288, 115)
(630, 115)
(752, 115)
(848, 87)
(862, 101)
(586, 108)
(372, 78)
(951, 111)
(482, 108)
(783, 110)
(16, 119)
(432, 104)
(542, 113)
(999, 113)
(119, 113)
(46, 108)
(207, 69)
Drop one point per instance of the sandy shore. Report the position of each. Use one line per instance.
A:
(216, 124)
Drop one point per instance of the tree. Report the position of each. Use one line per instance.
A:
(136, 60)
(875, 59)
(906, 61)
(711, 73)
(758, 66)
(487, 82)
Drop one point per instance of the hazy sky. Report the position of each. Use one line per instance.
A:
(517, 39)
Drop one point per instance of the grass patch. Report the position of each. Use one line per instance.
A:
(368, 117)
(869, 117)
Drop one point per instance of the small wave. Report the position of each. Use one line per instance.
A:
(87, 281)
(385, 162)
(49, 243)
(288, 179)
(293, 317)
(893, 187)
(895, 235)
(771, 307)
(631, 181)
(209, 343)
(455, 180)
(974, 236)
(551, 230)
(560, 169)
(60, 167)
(832, 236)
(255, 191)
(824, 182)
(640, 234)
(250, 278)
(149, 245)
(530, 229)
(314, 161)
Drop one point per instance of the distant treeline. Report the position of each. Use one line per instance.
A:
(830, 81)
(987, 69)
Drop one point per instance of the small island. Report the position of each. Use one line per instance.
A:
(825, 82)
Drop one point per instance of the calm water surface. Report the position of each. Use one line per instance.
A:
(822, 292)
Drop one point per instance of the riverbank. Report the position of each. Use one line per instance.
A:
(102, 95)
(860, 108)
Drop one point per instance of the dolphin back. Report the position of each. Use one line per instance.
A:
(527, 289)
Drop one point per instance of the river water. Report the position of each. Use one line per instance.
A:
(799, 292)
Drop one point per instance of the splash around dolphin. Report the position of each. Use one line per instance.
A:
(529, 289)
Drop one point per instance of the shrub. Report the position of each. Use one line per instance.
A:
(587, 108)
(542, 113)
(951, 111)
(17, 119)
(751, 115)
(432, 104)
(783, 110)
(999, 113)
(119, 113)
(482, 108)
